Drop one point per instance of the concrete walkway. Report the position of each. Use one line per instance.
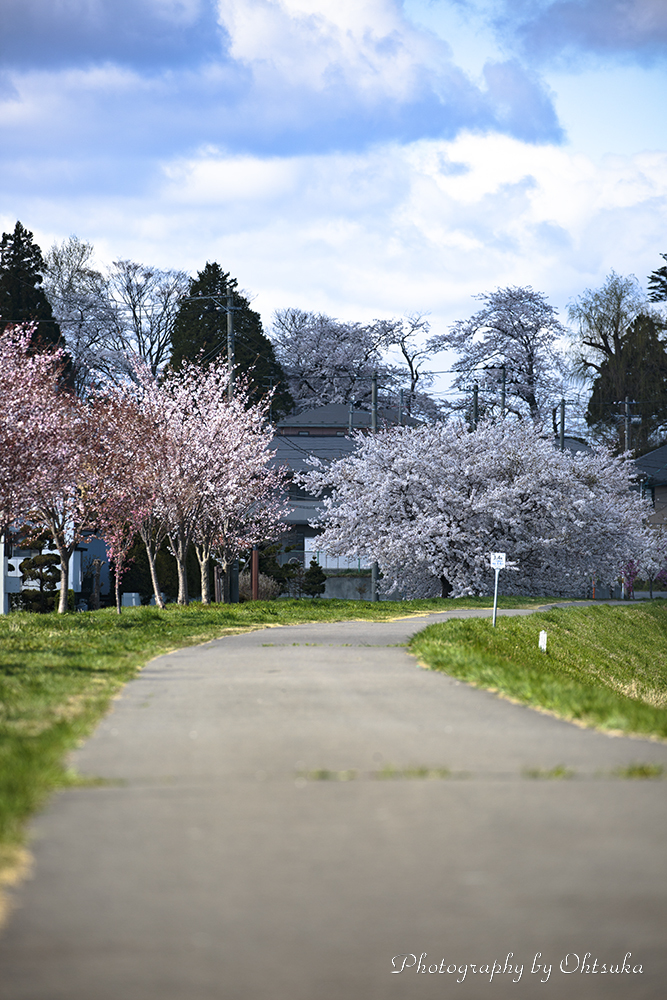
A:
(221, 867)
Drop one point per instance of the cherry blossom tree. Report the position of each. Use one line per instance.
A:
(47, 439)
(124, 491)
(24, 377)
(430, 504)
(329, 361)
(516, 330)
(208, 467)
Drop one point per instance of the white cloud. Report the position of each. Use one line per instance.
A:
(397, 229)
(315, 43)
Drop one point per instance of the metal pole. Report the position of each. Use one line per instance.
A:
(475, 405)
(627, 423)
(350, 420)
(502, 391)
(562, 425)
(254, 573)
(495, 599)
(230, 341)
(374, 427)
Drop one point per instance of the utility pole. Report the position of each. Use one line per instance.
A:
(230, 343)
(562, 425)
(374, 427)
(475, 405)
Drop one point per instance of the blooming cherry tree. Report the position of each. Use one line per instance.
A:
(429, 505)
(208, 465)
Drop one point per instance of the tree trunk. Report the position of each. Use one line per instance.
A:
(64, 553)
(117, 576)
(204, 556)
(151, 553)
(179, 547)
(445, 587)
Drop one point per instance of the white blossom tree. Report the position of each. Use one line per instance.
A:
(516, 330)
(429, 505)
(329, 361)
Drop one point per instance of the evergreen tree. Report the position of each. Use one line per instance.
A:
(314, 580)
(638, 370)
(21, 295)
(657, 283)
(200, 334)
(43, 569)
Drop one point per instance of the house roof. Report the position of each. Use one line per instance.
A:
(572, 444)
(337, 416)
(295, 453)
(653, 466)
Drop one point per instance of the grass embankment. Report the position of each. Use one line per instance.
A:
(605, 666)
(59, 672)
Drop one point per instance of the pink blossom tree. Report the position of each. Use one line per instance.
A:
(47, 442)
(208, 463)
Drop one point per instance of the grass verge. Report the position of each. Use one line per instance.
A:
(605, 666)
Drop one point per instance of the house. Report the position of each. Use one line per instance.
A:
(652, 471)
(324, 432)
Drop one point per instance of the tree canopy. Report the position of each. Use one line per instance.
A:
(637, 370)
(200, 335)
(430, 504)
(22, 299)
(510, 343)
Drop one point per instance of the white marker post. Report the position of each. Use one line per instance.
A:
(497, 563)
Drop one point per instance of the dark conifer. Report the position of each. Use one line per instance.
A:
(657, 283)
(22, 298)
(200, 334)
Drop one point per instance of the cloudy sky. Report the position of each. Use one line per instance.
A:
(366, 158)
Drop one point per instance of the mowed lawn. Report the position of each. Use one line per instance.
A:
(605, 666)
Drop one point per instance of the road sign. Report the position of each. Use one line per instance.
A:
(497, 560)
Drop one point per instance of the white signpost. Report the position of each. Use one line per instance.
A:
(497, 563)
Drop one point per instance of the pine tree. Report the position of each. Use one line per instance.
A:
(200, 335)
(21, 295)
(314, 580)
(657, 283)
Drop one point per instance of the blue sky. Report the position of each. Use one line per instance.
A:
(360, 157)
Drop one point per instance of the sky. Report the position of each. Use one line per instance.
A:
(363, 158)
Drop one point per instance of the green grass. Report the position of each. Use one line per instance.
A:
(605, 666)
(59, 672)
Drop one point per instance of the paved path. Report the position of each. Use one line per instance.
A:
(216, 871)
